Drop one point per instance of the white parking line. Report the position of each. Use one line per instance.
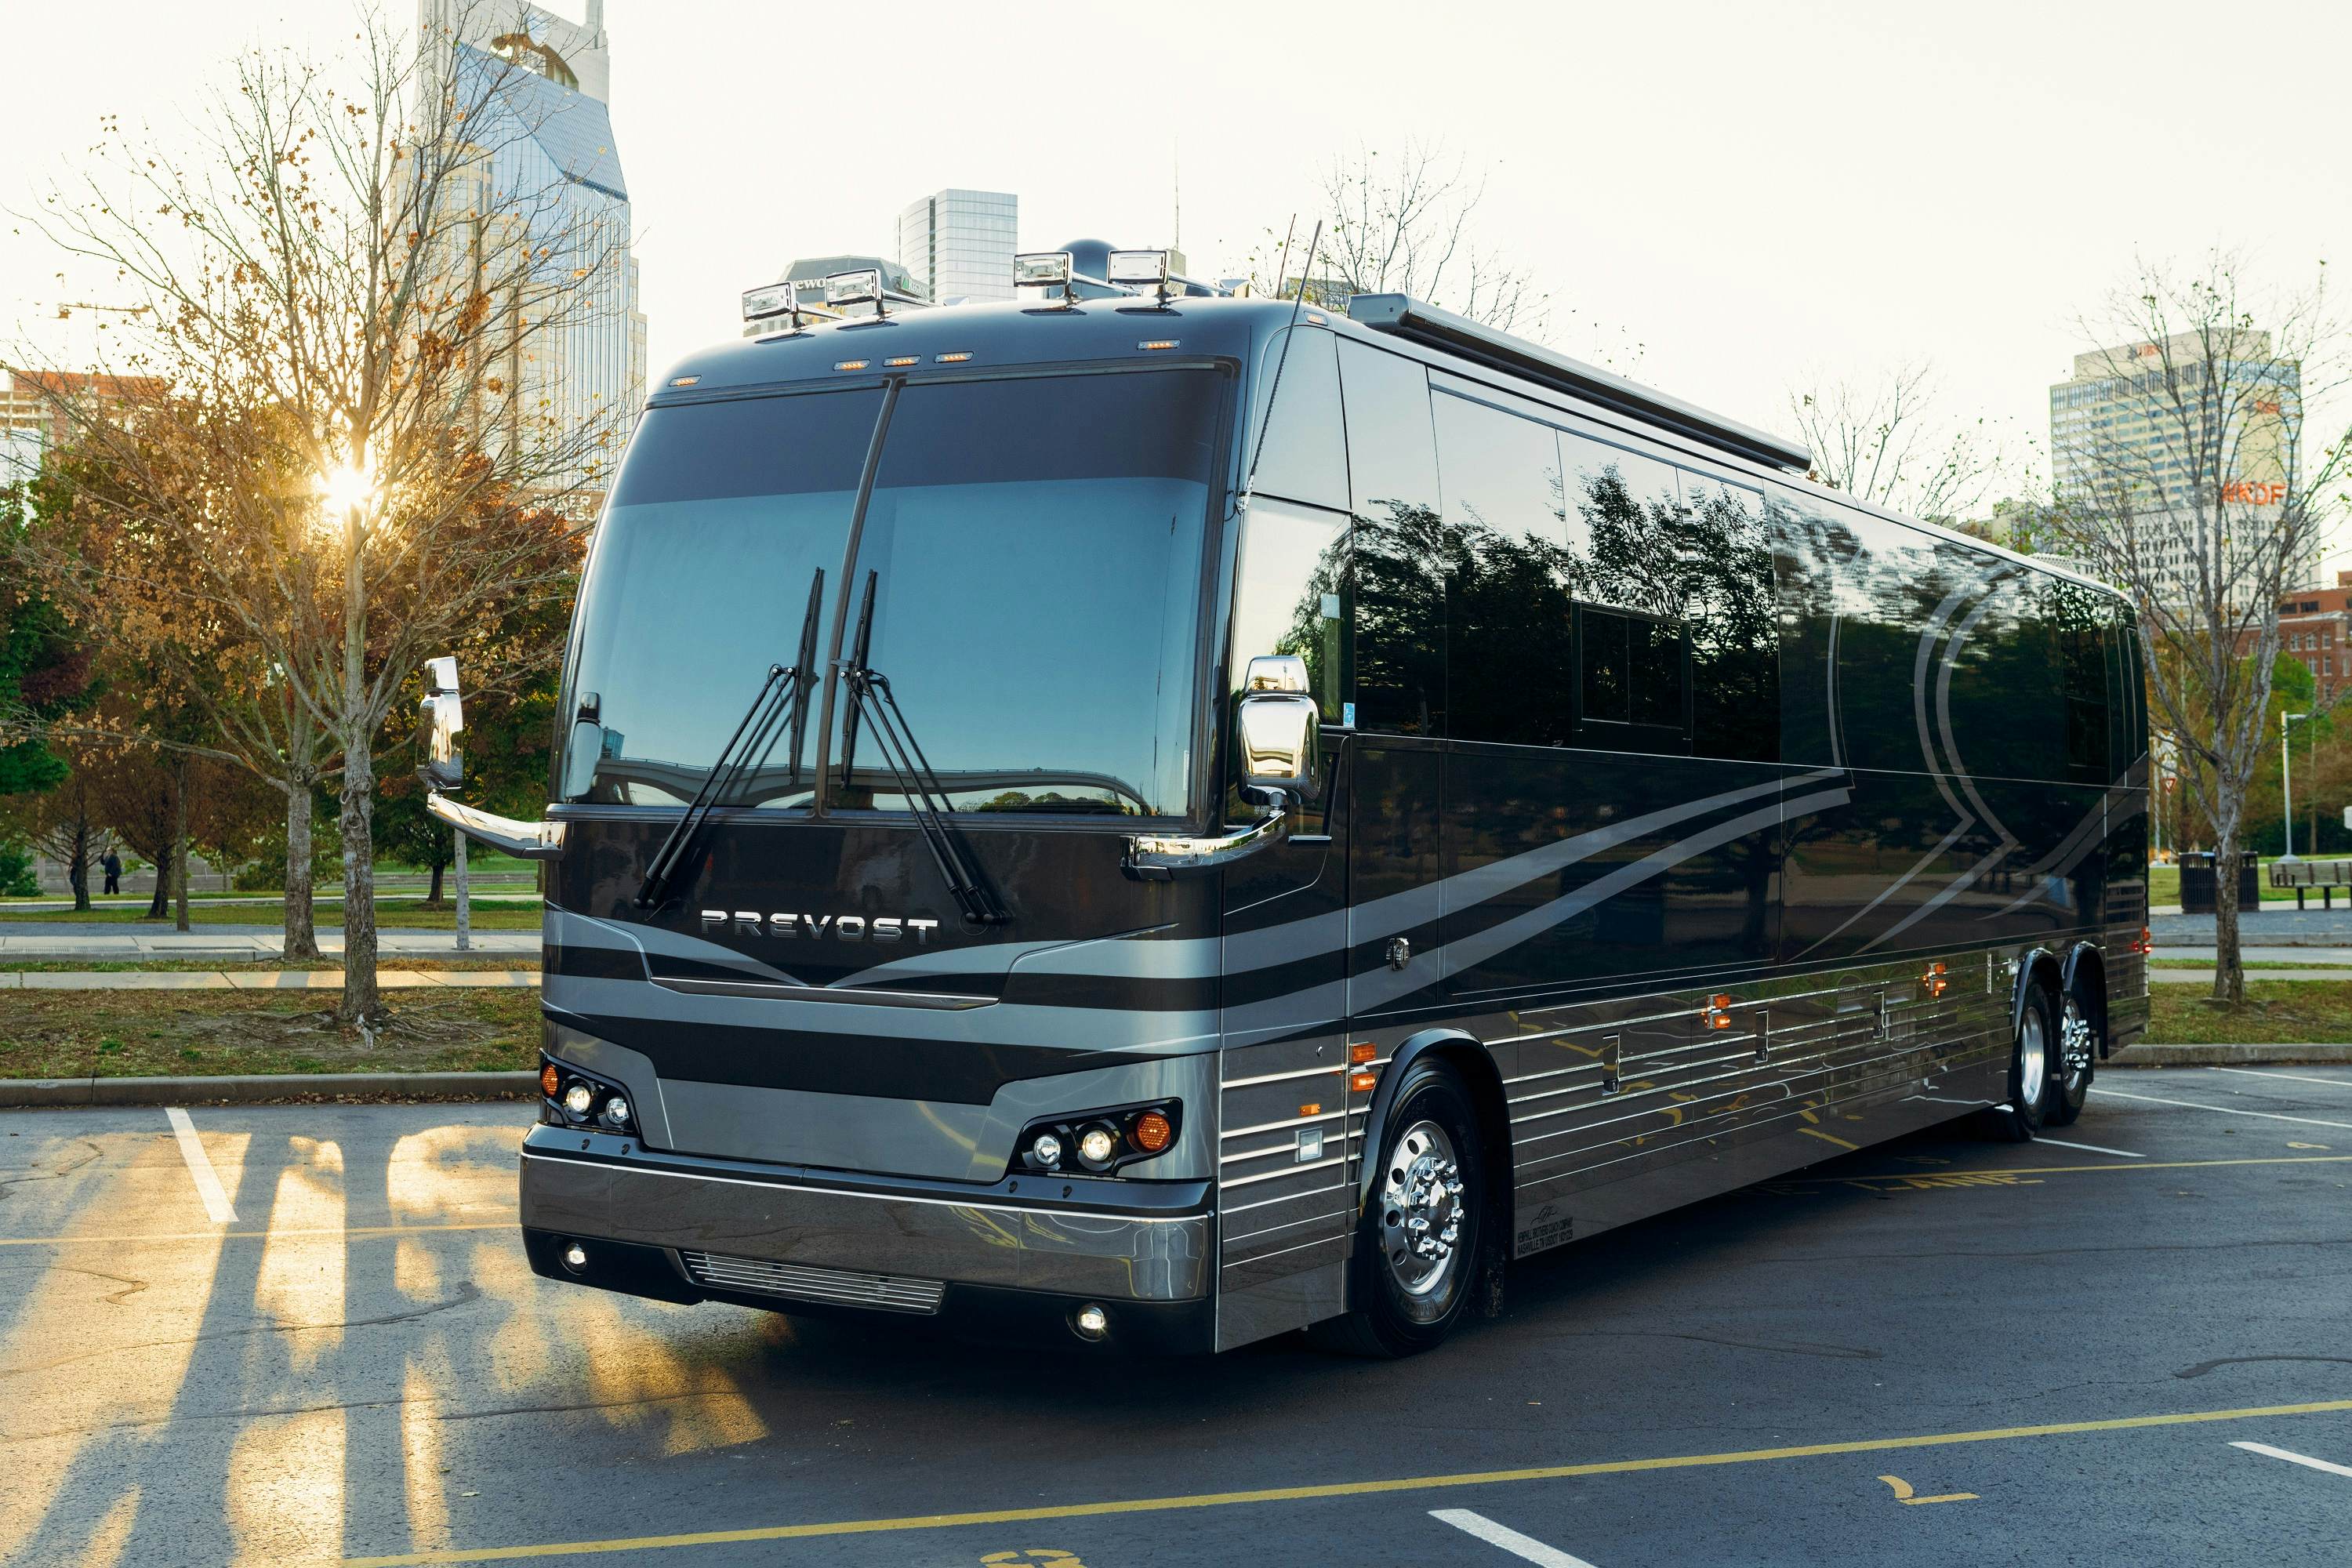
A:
(2089, 1148)
(2224, 1110)
(2265, 1448)
(208, 1185)
(1510, 1541)
(2291, 1076)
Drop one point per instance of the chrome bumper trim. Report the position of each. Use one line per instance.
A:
(889, 1292)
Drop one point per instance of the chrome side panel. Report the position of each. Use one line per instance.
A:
(1285, 1187)
(1114, 1258)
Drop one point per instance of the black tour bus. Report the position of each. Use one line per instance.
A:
(1161, 820)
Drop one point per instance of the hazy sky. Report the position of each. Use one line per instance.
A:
(1746, 190)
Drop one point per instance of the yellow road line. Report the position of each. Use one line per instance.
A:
(355, 1230)
(1932, 1171)
(1333, 1490)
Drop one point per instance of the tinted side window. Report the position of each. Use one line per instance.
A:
(2077, 618)
(1734, 633)
(1304, 453)
(1398, 551)
(1510, 667)
(1622, 513)
(1289, 596)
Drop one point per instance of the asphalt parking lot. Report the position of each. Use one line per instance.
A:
(319, 1342)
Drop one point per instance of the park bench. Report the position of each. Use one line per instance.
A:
(2304, 875)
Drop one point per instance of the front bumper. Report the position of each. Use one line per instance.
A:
(695, 1229)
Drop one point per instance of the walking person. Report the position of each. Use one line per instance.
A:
(112, 866)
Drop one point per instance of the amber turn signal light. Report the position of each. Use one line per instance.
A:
(1363, 1082)
(1717, 1012)
(1362, 1052)
(551, 1081)
(1152, 1132)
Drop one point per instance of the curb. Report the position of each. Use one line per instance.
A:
(2230, 1055)
(261, 1088)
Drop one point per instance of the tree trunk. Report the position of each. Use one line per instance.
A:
(433, 897)
(301, 930)
(160, 904)
(78, 869)
(180, 842)
(464, 898)
(361, 1000)
(2229, 963)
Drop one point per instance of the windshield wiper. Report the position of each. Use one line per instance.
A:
(870, 695)
(786, 683)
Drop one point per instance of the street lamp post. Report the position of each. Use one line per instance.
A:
(2286, 785)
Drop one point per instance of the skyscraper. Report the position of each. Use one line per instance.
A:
(553, 176)
(2180, 426)
(959, 245)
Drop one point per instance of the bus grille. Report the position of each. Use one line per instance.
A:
(889, 1292)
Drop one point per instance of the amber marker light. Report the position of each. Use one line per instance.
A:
(956, 358)
(850, 364)
(1363, 1082)
(550, 1080)
(1362, 1051)
(1312, 1108)
(1934, 981)
(897, 360)
(1150, 345)
(1152, 1132)
(1717, 1012)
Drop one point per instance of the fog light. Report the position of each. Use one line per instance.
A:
(616, 1111)
(575, 1256)
(1095, 1145)
(1092, 1322)
(579, 1099)
(1047, 1150)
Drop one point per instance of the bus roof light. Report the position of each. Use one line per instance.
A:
(859, 286)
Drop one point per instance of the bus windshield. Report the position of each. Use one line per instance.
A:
(1027, 579)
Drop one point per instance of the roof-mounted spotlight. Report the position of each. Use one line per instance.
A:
(768, 299)
(862, 286)
(782, 306)
(1138, 270)
(1047, 270)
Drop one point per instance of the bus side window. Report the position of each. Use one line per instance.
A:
(2077, 616)
(1509, 657)
(1304, 453)
(1397, 557)
(1733, 615)
(1625, 527)
(1289, 596)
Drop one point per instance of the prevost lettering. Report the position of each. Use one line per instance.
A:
(842, 928)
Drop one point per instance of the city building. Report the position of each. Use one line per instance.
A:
(2316, 630)
(2115, 429)
(552, 179)
(958, 245)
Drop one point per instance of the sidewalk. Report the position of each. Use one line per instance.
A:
(54, 940)
(259, 980)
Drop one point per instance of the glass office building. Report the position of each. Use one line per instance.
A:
(958, 245)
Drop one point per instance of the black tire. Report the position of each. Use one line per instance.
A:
(2078, 1040)
(1405, 1303)
(2028, 1090)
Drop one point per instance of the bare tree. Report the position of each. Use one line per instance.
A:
(1402, 225)
(352, 292)
(2198, 492)
(1884, 441)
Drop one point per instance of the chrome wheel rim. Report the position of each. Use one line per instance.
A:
(2033, 1056)
(2075, 1042)
(1420, 1215)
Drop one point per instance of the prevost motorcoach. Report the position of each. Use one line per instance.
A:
(1170, 819)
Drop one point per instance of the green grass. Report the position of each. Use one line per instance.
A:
(400, 914)
(150, 1034)
(2277, 1011)
(498, 961)
(2344, 962)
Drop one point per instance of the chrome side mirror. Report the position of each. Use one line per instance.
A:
(586, 747)
(1278, 731)
(441, 714)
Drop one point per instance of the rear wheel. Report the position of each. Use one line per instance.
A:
(2078, 1049)
(1418, 1243)
(2030, 1060)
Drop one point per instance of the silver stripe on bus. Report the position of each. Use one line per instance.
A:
(1278, 1126)
(1280, 1076)
(965, 1204)
(1228, 1210)
(1278, 1176)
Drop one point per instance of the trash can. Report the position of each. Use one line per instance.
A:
(2198, 884)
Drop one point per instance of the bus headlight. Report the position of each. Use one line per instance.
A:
(1103, 1142)
(580, 1099)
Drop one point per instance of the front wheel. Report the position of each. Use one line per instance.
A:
(2031, 1059)
(1419, 1240)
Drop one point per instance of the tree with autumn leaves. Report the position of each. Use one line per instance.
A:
(338, 473)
